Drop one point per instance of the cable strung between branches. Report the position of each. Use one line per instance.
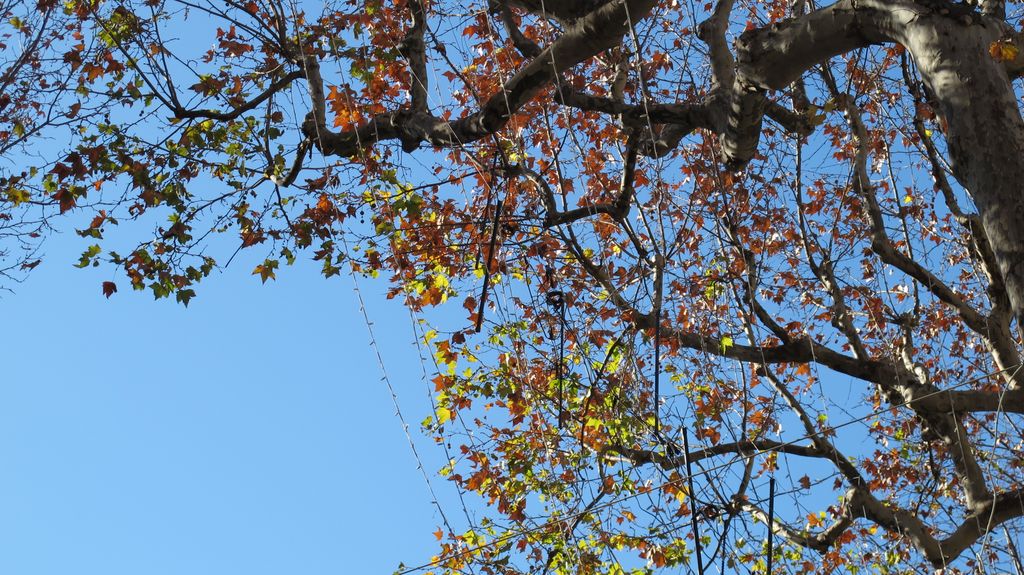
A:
(556, 300)
(693, 499)
(657, 374)
(771, 524)
(487, 266)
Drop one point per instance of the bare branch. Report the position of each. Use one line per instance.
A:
(413, 49)
(277, 86)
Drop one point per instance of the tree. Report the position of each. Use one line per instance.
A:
(681, 299)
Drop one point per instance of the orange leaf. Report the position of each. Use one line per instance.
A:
(1003, 51)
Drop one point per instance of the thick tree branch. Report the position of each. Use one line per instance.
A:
(745, 448)
(414, 50)
(584, 38)
(975, 401)
(774, 57)
(859, 503)
(563, 10)
(712, 32)
(998, 510)
(527, 47)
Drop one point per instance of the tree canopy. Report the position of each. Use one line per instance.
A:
(683, 251)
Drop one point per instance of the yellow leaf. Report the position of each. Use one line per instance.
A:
(1003, 51)
(18, 196)
(443, 414)
(726, 342)
(1009, 51)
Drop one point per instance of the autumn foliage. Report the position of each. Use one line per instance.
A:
(718, 242)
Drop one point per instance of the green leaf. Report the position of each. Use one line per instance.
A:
(184, 296)
(726, 343)
(266, 270)
(87, 256)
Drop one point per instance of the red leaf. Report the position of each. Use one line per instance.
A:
(65, 198)
(109, 289)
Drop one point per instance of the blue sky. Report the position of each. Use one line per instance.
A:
(249, 433)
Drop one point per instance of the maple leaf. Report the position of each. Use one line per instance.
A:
(109, 289)
(65, 198)
(1003, 51)
(266, 270)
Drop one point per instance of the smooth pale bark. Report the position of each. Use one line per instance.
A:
(985, 132)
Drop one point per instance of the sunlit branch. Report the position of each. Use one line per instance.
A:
(678, 460)
(599, 30)
(712, 32)
(413, 49)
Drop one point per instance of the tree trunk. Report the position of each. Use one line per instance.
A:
(985, 131)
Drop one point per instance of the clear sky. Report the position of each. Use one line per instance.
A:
(249, 433)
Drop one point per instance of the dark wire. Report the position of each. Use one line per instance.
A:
(693, 500)
(561, 363)
(771, 523)
(556, 300)
(657, 374)
(487, 266)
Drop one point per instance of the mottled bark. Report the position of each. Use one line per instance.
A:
(985, 131)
